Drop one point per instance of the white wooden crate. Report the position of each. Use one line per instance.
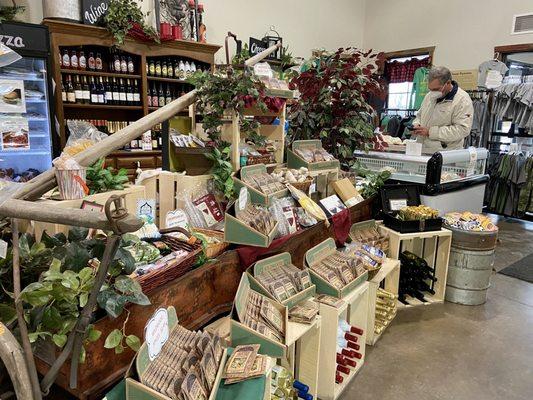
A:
(354, 311)
(434, 247)
(387, 278)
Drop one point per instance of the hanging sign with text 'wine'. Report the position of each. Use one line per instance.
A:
(94, 10)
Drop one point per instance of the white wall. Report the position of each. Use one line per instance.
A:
(303, 24)
(463, 31)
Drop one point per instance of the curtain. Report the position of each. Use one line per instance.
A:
(397, 72)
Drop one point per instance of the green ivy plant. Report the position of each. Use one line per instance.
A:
(222, 171)
(101, 179)
(122, 15)
(62, 269)
(239, 59)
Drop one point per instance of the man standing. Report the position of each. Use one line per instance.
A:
(445, 117)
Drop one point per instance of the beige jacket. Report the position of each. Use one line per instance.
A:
(449, 122)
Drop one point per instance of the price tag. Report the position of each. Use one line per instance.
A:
(397, 204)
(3, 248)
(147, 141)
(176, 218)
(156, 332)
(471, 169)
(243, 198)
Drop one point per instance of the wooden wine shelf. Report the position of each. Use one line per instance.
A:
(97, 73)
(169, 80)
(101, 106)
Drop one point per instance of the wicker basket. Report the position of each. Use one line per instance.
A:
(154, 279)
(262, 159)
(304, 186)
(215, 249)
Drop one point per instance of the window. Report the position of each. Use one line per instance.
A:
(399, 97)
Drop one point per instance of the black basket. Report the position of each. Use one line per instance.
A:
(395, 197)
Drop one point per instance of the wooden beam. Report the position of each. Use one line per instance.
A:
(265, 53)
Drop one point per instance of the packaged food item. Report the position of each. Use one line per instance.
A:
(338, 269)
(257, 217)
(415, 213)
(468, 221)
(284, 281)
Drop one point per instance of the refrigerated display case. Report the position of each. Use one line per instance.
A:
(452, 180)
(27, 142)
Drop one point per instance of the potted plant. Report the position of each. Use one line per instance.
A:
(333, 105)
(124, 17)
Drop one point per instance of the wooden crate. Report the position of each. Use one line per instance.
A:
(354, 311)
(434, 247)
(387, 278)
(133, 193)
(165, 187)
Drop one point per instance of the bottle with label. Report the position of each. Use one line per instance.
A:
(63, 90)
(347, 328)
(123, 65)
(176, 69)
(164, 69)
(181, 70)
(193, 67)
(129, 93)
(86, 94)
(131, 67)
(66, 59)
(161, 96)
(94, 94)
(82, 61)
(136, 94)
(77, 90)
(108, 92)
(116, 64)
(158, 68)
(151, 68)
(71, 94)
(101, 91)
(116, 94)
(122, 93)
(98, 62)
(168, 95)
(155, 97)
(170, 69)
(73, 60)
(187, 69)
(154, 140)
(91, 62)
(149, 97)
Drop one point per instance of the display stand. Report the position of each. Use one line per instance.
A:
(434, 247)
(354, 311)
(387, 278)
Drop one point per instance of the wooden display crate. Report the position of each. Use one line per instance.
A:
(295, 161)
(256, 196)
(315, 255)
(387, 278)
(275, 261)
(354, 311)
(434, 247)
(132, 194)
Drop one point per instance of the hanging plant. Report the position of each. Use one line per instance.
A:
(125, 17)
(333, 105)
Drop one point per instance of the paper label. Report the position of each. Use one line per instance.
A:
(3, 248)
(210, 209)
(243, 198)
(471, 169)
(146, 207)
(397, 204)
(312, 188)
(147, 141)
(156, 332)
(176, 218)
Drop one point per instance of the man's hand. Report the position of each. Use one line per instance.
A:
(421, 131)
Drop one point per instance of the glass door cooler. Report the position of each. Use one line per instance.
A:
(452, 180)
(26, 141)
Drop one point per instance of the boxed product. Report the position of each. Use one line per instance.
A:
(175, 363)
(258, 319)
(310, 154)
(333, 272)
(248, 224)
(276, 277)
(262, 186)
(347, 192)
(367, 232)
(403, 213)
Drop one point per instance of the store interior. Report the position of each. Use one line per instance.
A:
(283, 200)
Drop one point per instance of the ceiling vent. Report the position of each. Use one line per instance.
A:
(522, 23)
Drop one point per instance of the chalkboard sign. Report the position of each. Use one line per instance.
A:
(256, 46)
(94, 10)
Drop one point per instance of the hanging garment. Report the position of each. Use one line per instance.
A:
(514, 102)
(491, 73)
(420, 87)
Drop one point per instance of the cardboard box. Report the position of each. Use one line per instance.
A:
(319, 252)
(256, 196)
(242, 334)
(347, 192)
(295, 161)
(275, 261)
(135, 390)
(236, 231)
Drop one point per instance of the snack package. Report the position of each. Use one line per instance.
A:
(82, 136)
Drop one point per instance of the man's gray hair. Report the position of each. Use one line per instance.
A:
(443, 74)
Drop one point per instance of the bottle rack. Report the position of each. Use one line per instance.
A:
(387, 278)
(354, 311)
(71, 36)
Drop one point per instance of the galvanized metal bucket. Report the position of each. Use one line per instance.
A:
(470, 267)
(69, 10)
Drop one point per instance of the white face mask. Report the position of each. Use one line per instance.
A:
(435, 95)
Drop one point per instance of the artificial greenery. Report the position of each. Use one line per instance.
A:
(57, 275)
(8, 13)
(239, 59)
(374, 180)
(122, 16)
(332, 105)
(101, 179)
(222, 171)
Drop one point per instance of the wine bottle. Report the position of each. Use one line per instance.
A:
(123, 65)
(98, 62)
(340, 360)
(93, 91)
(136, 94)
(131, 67)
(122, 92)
(78, 90)
(108, 92)
(168, 95)
(82, 61)
(193, 67)
(158, 68)
(86, 93)
(345, 327)
(129, 93)
(338, 378)
(155, 97)
(66, 59)
(170, 69)
(149, 97)
(73, 60)
(176, 69)
(161, 96)
(101, 91)
(154, 140)
(151, 68)
(63, 91)
(116, 93)
(347, 344)
(343, 369)
(91, 62)
(116, 64)
(71, 94)
(187, 69)
(164, 69)
(181, 69)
